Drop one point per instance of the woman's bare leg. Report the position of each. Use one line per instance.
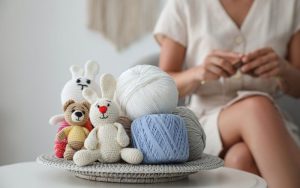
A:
(239, 156)
(257, 122)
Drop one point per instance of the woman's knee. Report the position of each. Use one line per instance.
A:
(239, 157)
(259, 110)
(247, 110)
(257, 104)
(252, 115)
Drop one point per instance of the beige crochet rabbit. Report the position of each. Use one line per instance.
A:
(107, 141)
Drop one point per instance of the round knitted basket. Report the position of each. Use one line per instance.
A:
(127, 173)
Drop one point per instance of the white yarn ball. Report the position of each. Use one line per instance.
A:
(146, 89)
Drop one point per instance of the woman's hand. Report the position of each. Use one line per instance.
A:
(264, 63)
(217, 64)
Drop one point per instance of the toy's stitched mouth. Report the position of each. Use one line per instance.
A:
(82, 86)
(103, 117)
(77, 119)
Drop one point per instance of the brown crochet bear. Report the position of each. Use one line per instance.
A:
(76, 114)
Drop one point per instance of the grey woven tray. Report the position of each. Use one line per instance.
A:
(127, 173)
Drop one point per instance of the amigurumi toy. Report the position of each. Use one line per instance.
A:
(74, 87)
(76, 115)
(107, 141)
(72, 90)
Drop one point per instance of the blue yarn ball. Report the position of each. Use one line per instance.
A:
(162, 138)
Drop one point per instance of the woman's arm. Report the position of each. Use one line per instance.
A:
(291, 74)
(217, 64)
(171, 61)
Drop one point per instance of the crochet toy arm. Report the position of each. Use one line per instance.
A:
(63, 133)
(86, 131)
(122, 137)
(56, 119)
(91, 141)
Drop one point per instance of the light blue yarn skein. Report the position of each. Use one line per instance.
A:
(162, 138)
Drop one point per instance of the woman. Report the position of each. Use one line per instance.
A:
(234, 56)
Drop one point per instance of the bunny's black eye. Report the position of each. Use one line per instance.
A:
(78, 80)
(97, 106)
(108, 104)
(88, 81)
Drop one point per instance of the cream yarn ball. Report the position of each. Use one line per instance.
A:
(146, 89)
(196, 135)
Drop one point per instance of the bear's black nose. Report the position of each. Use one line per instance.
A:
(78, 114)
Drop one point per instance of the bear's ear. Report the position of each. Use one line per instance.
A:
(68, 104)
(86, 104)
(90, 95)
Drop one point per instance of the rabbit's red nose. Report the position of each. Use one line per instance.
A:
(103, 109)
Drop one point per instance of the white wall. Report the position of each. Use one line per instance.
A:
(39, 40)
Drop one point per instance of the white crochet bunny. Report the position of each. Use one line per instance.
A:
(72, 90)
(107, 141)
(74, 87)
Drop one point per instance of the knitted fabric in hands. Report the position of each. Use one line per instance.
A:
(162, 138)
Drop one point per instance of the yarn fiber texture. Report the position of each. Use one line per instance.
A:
(126, 122)
(162, 138)
(146, 89)
(60, 146)
(196, 135)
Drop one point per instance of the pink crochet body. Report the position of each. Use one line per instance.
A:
(60, 146)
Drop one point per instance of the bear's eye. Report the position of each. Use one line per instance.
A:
(88, 81)
(108, 104)
(78, 80)
(83, 112)
(73, 111)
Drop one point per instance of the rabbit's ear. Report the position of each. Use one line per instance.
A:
(90, 95)
(76, 71)
(91, 69)
(108, 86)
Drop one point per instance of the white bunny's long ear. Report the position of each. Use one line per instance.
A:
(76, 71)
(90, 95)
(91, 69)
(108, 86)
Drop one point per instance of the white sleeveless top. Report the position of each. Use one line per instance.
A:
(203, 25)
